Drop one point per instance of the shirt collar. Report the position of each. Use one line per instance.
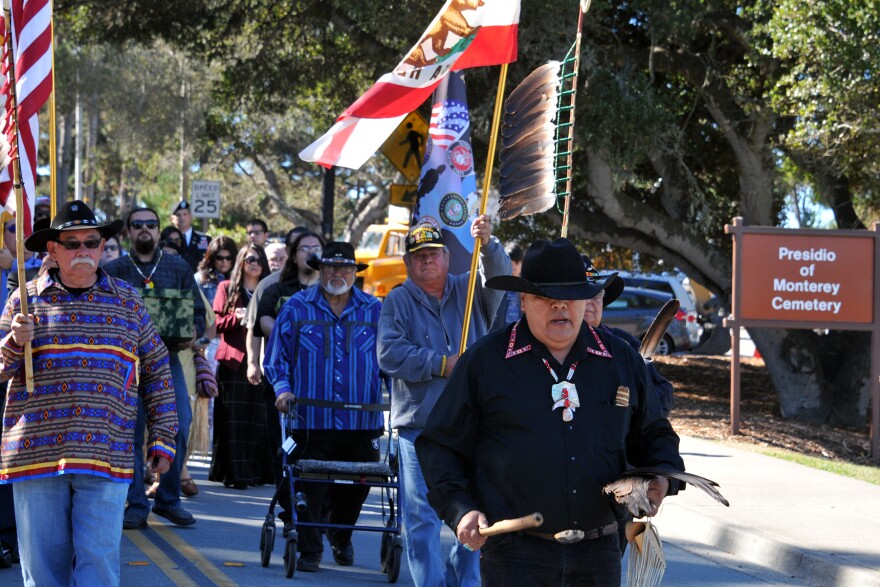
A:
(522, 340)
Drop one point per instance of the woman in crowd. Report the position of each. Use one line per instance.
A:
(239, 410)
(216, 266)
(112, 250)
(295, 276)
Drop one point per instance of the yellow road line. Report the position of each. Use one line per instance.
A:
(162, 560)
(208, 569)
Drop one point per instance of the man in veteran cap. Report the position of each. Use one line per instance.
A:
(538, 417)
(419, 335)
(323, 346)
(67, 443)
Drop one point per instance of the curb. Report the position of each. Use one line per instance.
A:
(754, 546)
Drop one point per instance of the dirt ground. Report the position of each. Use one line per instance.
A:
(702, 409)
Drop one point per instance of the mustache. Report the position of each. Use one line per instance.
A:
(82, 261)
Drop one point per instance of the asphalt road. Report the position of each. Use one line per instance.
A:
(222, 549)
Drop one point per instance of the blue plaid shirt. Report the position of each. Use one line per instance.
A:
(314, 354)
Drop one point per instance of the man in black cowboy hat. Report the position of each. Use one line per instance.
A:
(148, 268)
(539, 417)
(323, 346)
(69, 454)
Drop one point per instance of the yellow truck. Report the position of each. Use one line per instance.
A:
(382, 246)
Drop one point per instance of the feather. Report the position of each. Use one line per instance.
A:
(528, 148)
(631, 490)
(531, 201)
(541, 86)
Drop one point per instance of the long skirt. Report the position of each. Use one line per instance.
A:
(239, 430)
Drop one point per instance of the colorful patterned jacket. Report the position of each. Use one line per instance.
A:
(93, 354)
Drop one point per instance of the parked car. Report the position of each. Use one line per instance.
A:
(634, 311)
(673, 286)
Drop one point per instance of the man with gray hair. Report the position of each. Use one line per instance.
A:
(419, 336)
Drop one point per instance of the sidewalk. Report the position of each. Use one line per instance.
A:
(803, 522)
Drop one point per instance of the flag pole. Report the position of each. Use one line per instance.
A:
(19, 205)
(584, 7)
(487, 180)
(53, 144)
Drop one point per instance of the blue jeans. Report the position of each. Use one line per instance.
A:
(421, 528)
(69, 516)
(168, 495)
(517, 559)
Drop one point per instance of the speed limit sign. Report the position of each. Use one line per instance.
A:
(205, 199)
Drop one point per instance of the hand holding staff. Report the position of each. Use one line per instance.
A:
(473, 529)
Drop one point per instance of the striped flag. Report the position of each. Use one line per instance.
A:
(447, 198)
(466, 33)
(31, 30)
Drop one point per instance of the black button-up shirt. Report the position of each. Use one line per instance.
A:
(493, 442)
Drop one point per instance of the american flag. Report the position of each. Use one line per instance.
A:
(31, 30)
(449, 121)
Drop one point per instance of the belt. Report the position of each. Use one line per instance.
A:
(574, 536)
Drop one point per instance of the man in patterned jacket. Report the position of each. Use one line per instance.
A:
(67, 443)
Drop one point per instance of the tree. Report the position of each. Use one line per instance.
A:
(690, 113)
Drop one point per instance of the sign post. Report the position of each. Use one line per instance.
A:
(784, 278)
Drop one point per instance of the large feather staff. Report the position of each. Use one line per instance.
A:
(537, 137)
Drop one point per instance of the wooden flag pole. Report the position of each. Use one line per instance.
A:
(487, 181)
(19, 206)
(584, 6)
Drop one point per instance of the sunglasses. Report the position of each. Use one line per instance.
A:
(223, 257)
(312, 249)
(139, 224)
(251, 260)
(74, 245)
(111, 248)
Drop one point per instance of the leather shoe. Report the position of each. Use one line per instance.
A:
(343, 555)
(176, 514)
(309, 563)
(134, 520)
(188, 487)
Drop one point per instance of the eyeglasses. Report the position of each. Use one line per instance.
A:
(111, 248)
(312, 249)
(223, 257)
(74, 245)
(251, 260)
(139, 224)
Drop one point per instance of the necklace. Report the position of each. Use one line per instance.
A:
(564, 393)
(148, 279)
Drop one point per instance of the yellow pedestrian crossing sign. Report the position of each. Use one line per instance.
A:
(405, 148)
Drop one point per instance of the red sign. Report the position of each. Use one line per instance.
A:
(809, 278)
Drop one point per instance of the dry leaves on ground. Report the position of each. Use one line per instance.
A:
(702, 409)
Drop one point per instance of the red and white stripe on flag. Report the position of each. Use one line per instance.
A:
(466, 33)
(31, 30)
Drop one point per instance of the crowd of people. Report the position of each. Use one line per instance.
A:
(117, 334)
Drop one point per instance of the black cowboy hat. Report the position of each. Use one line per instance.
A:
(613, 290)
(74, 215)
(552, 270)
(336, 253)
